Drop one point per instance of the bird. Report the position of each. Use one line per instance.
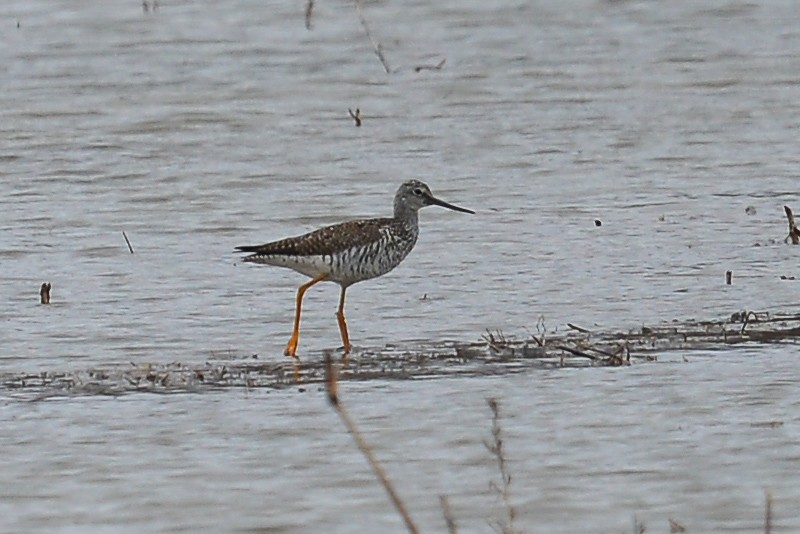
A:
(349, 252)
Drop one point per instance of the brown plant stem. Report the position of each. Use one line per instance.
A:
(496, 448)
(44, 293)
(794, 232)
(376, 46)
(128, 241)
(333, 398)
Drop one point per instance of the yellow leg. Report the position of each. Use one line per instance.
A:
(343, 324)
(291, 347)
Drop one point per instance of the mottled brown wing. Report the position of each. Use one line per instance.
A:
(325, 241)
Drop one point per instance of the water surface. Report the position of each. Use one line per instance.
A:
(200, 127)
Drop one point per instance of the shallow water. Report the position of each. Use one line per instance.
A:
(200, 127)
(588, 450)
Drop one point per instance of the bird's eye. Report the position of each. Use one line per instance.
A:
(417, 191)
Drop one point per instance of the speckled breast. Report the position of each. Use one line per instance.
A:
(374, 259)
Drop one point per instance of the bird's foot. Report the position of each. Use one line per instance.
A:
(291, 348)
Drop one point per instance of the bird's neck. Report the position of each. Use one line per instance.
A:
(405, 214)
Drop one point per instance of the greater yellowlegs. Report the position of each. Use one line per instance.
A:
(350, 252)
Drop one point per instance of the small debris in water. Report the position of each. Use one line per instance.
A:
(767, 424)
(675, 527)
(579, 328)
(130, 248)
(44, 293)
(598, 222)
(355, 116)
(794, 232)
(728, 277)
(438, 66)
(309, 12)
(750, 210)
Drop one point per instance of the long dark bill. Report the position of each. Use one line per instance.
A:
(447, 205)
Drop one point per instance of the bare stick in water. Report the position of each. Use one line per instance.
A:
(438, 66)
(333, 398)
(44, 293)
(675, 527)
(376, 46)
(355, 116)
(794, 232)
(309, 12)
(768, 514)
(448, 515)
(127, 241)
(496, 447)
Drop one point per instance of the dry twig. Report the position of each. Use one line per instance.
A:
(746, 320)
(448, 515)
(576, 352)
(333, 398)
(376, 46)
(768, 514)
(355, 116)
(309, 12)
(578, 328)
(496, 341)
(675, 527)
(128, 241)
(44, 293)
(794, 232)
(542, 329)
(496, 448)
(438, 66)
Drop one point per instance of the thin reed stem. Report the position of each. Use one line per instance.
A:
(336, 402)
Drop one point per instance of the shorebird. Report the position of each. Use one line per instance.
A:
(349, 252)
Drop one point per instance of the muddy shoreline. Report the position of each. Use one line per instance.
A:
(495, 354)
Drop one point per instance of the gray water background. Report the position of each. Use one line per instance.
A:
(207, 125)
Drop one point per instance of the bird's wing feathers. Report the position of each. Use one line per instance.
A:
(325, 241)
